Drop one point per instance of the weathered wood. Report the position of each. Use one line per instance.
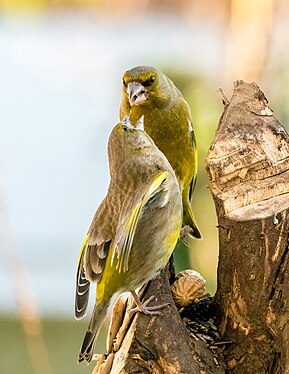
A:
(248, 164)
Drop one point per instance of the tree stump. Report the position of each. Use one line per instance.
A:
(248, 164)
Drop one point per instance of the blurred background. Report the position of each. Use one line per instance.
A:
(61, 63)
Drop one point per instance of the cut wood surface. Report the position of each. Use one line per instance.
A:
(248, 161)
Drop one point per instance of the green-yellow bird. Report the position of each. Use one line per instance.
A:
(134, 230)
(167, 119)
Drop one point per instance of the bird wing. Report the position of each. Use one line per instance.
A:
(126, 229)
(95, 248)
(91, 263)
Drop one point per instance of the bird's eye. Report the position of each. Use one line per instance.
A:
(124, 128)
(149, 81)
(152, 79)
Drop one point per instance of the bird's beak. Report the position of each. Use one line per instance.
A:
(139, 124)
(126, 121)
(136, 93)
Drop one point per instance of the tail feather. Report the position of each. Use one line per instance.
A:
(189, 220)
(98, 314)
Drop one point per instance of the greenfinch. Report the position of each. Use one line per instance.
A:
(134, 230)
(147, 92)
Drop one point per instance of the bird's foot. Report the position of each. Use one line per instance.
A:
(143, 308)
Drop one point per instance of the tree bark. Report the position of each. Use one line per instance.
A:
(248, 165)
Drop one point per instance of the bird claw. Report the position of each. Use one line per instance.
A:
(148, 310)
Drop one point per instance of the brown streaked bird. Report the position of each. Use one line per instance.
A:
(134, 230)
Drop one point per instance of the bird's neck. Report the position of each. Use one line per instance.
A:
(137, 111)
(135, 114)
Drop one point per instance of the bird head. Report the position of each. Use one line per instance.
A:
(139, 125)
(143, 85)
(126, 141)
